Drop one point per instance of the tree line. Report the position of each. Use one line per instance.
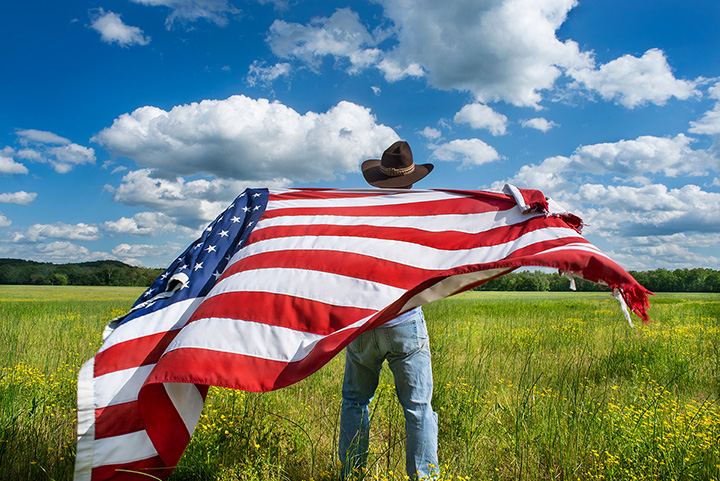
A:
(657, 280)
(115, 273)
(96, 273)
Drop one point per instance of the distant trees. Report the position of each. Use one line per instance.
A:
(115, 273)
(96, 273)
(658, 280)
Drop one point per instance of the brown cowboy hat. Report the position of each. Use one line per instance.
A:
(395, 169)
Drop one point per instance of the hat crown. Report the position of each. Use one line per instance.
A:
(397, 156)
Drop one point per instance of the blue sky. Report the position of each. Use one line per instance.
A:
(127, 125)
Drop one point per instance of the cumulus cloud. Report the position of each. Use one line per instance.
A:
(8, 165)
(341, 36)
(259, 74)
(632, 160)
(469, 152)
(21, 197)
(539, 123)
(498, 50)
(649, 210)
(181, 11)
(674, 251)
(480, 116)
(431, 133)
(632, 81)
(246, 139)
(149, 224)
(190, 203)
(113, 30)
(47, 147)
(59, 230)
(4, 221)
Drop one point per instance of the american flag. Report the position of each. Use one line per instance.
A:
(282, 281)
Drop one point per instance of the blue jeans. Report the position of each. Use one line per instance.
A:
(406, 348)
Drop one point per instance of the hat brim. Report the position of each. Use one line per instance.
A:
(373, 175)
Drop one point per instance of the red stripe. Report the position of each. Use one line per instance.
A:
(349, 264)
(106, 420)
(280, 310)
(162, 422)
(444, 240)
(124, 472)
(321, 194)
(133, 353)
(460, 205)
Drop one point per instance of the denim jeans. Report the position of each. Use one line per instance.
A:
(406, 348)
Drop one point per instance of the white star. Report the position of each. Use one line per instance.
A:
(196, 246)
(211, 249)
(256, 195)
(216, 275)
(184, 266)
(245, 209)
(250, 223)
(149, 291)
(257, 207)
(209, 228)
(223, 233)
(199, 265)
(163, 276)
(185, 286)
(235, 220)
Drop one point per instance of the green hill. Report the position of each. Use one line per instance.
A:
(94, 273)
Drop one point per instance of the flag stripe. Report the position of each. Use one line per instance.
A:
(290, 312)
(106, 425)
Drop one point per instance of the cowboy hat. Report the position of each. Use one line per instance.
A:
(395, 169)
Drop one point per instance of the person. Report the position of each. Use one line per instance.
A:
(404, 343)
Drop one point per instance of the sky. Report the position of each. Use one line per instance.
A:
(127, 125)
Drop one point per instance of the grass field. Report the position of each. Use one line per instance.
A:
(527, 386)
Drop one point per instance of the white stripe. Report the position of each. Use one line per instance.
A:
(120, 386)
(251, 338)
(466, 223)
(374, 198)
(122, 449)
(578, 247)
(407, 253)
(86, 422)
(188, 402)
(312, 285)
(451, 285)
(171, 317)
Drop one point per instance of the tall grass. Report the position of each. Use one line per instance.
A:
(527, 386)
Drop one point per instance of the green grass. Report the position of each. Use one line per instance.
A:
(527, 386)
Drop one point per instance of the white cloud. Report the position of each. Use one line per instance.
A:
(147, 254)
(431, 133)
(674, 251)
(498, 50)
(632, 81)
(216, 11)
(469, 152)
(21, 197)
(709, 124)
(246, 139)
(4, 221)
(47, 147)
(539, 123)
(258, 74)
(8, 165)
(150, 224)
(341, 36)
(28, 136)
(481, 116)
(113, 30)
(649, 210)
(631, 159)
(188, 202)
(59, 230)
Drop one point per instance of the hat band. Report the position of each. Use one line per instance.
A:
(397, 172)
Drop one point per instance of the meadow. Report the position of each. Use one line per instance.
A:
(527, 386)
